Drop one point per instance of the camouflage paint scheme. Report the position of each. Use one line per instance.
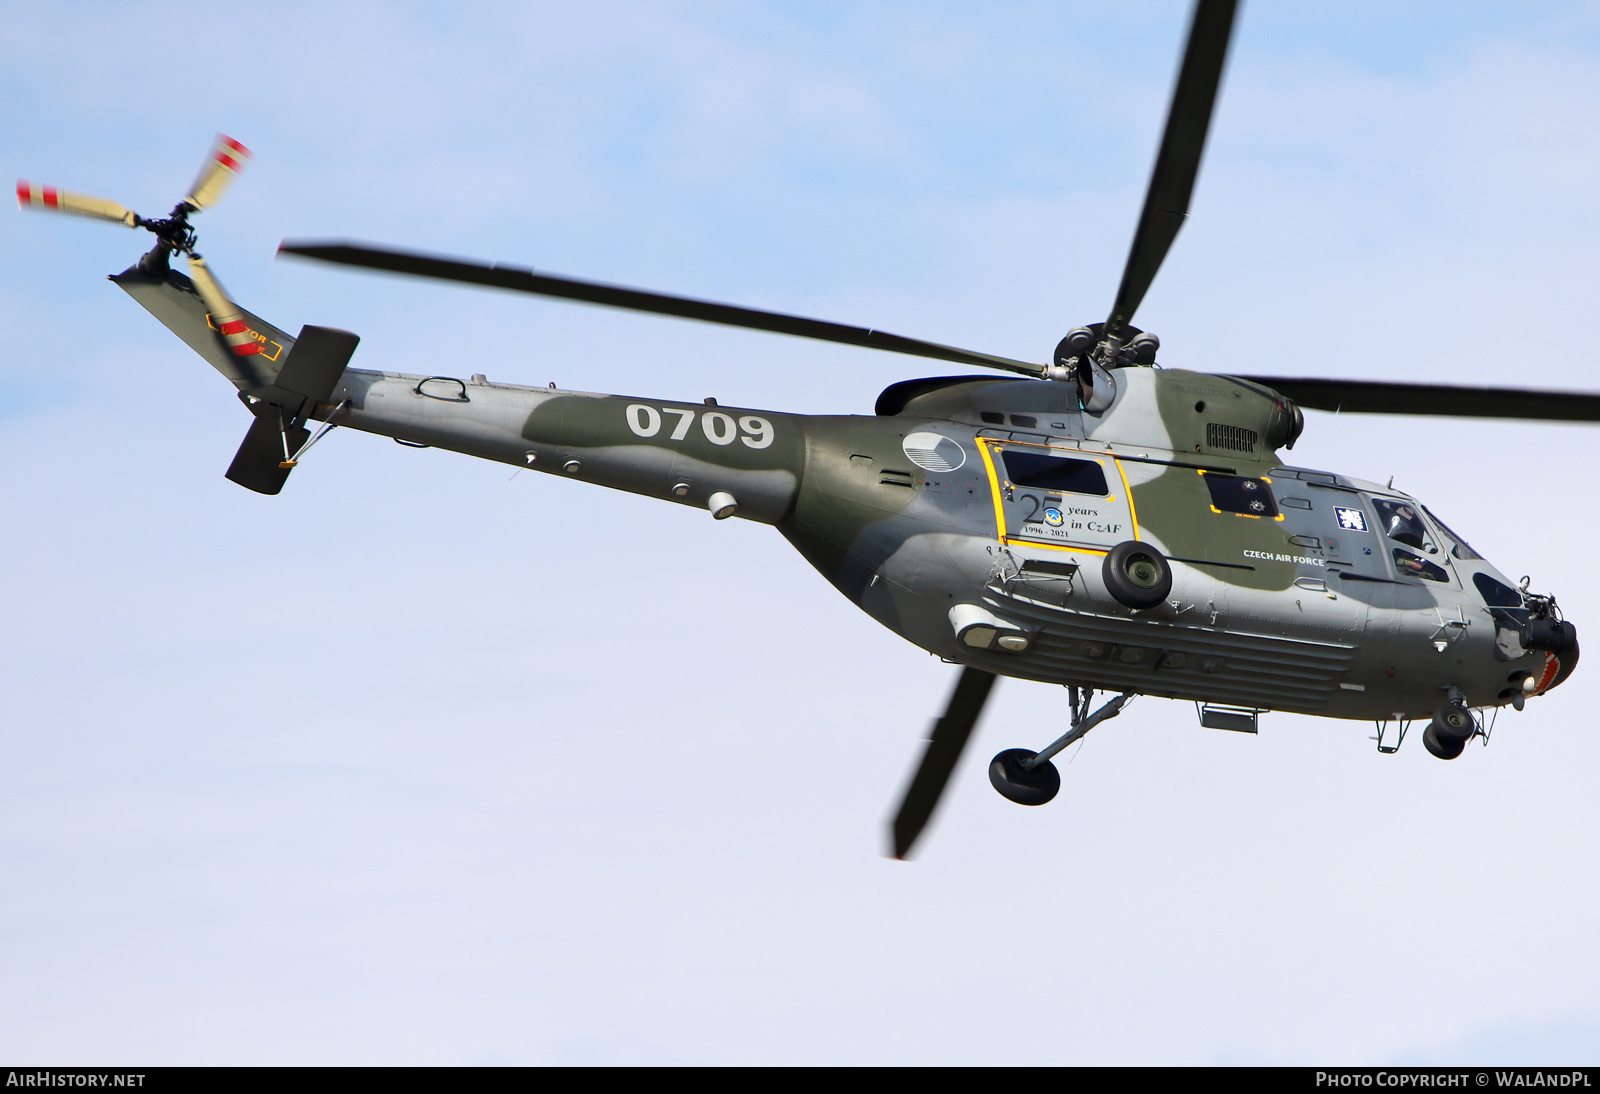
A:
(1292, 612)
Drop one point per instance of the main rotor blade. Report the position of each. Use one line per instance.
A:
(945, 743)
(226, 160)
(1440, 400)
(1166, 202)
(30, 195)
(616, 296)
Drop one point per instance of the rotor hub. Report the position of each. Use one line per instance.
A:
(1132, 347)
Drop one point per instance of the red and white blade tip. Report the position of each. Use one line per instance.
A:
(225, 316)
(240, 338)
(31, 195)
(230, 153)
(227, 159)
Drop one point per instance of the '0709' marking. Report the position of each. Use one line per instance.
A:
(719, 428)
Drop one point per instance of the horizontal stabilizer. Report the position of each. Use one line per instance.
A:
(258, 464)
(318, 359)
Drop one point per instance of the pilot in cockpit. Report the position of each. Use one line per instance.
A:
(1402, 524)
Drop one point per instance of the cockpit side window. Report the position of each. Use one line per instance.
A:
(1459, 546)
(1402, 524)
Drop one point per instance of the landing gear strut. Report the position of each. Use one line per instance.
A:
(1029, 778)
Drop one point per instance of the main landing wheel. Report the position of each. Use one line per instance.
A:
(1137, 575)
(1023, 785)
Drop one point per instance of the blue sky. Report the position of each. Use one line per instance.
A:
(422, 763)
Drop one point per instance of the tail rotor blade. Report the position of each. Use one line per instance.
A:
(31, 195)
(945, 744)
(227, 159)
(227, 319)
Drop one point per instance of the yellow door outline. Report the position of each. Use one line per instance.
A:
(988, 446)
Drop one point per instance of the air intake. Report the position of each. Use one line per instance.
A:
(1230, 438)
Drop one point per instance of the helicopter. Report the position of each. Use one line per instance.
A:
(1096, 521)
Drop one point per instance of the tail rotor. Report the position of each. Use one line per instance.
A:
(284, 393)
(173, 232)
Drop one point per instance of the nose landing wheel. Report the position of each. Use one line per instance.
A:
(1447, 735)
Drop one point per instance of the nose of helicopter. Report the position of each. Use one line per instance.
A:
(1558, 641)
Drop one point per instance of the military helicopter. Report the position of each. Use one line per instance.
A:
(1095, 521)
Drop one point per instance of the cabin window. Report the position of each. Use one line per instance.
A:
(1411, 565)
(1237, 494)
(1026, 421)
(1046, 472)
(992, 418)
(1459, 546)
